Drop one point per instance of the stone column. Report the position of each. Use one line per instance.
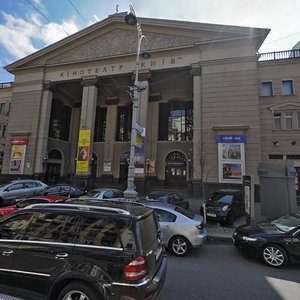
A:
(88, 113)
(42, 138)
(110, 136)
(198, 157)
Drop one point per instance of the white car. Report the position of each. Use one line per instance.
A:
(105, 194)
(182, 229)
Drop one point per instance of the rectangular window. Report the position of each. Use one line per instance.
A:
(4, 131)
(106, 232)
(287, 87)
(277, 120)
(124, 124)
(275, 156)
(293, 157)
(100, 124)
(289, 120)
(176, 121)
(266, 89)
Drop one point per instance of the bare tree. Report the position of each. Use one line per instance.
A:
(201, 160)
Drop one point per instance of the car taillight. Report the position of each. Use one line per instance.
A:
(136, 269)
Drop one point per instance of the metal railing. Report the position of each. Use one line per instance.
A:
(6, 84)
(279, 55)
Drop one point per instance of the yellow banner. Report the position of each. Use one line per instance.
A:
(83, 151)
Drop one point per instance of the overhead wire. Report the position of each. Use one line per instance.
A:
(78, 12)
(43, 15)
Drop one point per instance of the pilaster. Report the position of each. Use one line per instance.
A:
(42, 140)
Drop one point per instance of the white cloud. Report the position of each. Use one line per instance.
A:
(18, 35)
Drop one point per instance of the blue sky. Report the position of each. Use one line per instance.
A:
(29, 25)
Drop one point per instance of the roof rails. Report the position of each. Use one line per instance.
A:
(95, 200)
(80, 207)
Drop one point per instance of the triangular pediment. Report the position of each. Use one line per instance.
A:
(287, 106)
(119, 42)
(112, 37)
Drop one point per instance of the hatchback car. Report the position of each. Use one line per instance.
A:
(224, 206)
(80, 251)
(182, 230)
(276, 242)
(18, 188)
(105, 194)
(167, 197)
(33, 200)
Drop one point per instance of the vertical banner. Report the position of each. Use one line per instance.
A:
(17, 159)
(139, 153)
(83, 151)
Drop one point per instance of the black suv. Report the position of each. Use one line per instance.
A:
(77, 251)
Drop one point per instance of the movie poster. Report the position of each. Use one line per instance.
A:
(17, 159)
(83, 151)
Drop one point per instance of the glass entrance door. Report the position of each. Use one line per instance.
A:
(175, 169)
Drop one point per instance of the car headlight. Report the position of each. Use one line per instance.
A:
(224, 208)
(249, 239)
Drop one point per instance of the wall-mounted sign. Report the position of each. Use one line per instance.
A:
(232, 138)
(19, 141)
(107, 166)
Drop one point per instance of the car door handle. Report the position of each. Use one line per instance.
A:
(61, 255)
(7, 252)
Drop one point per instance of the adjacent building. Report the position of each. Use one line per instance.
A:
(210, 107)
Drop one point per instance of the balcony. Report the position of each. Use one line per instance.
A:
(279, 55)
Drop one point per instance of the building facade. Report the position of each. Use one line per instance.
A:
(210, 109)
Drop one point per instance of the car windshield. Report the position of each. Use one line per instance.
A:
(287, 223)
(93, 194)
(222, 198)
(184, 212)
(156, 197)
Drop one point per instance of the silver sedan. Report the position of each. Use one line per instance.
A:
(108, 194)
(182, 230)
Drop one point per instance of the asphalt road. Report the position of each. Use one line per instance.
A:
(220, 271)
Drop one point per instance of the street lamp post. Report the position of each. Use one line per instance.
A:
(130, 194)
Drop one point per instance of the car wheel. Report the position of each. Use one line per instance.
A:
(179, 246)
(78, 290)
(274, 256)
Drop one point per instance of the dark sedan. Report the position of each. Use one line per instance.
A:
(276, 242)
(60, 190)
(224, 206)
(168, 197)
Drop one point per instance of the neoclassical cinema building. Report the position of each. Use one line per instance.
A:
(211, 107)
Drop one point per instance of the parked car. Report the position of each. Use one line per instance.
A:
(77, 251)
(60, 190)
(18, 188)
(167, 197)
(33, 200)
(182, 230)
(276, 242)
(105, 194)
(224, 206)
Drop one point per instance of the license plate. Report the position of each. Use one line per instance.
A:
(211, 215)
